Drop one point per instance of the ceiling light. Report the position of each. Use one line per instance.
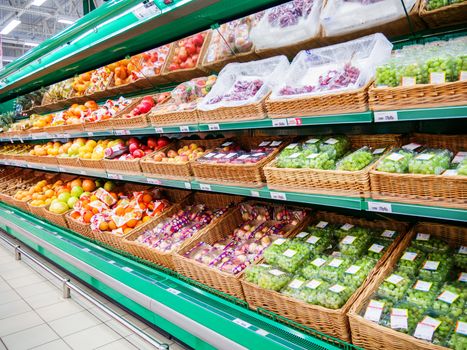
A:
(38, 2)
(10, 26)
(65, 21)
(31, 44)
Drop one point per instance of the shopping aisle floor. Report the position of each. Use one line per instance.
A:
(34, 315)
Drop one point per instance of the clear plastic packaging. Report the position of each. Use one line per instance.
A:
(239, 84)
(394, 286)
(396, 162)
(449, 301)
(293, 256)
(355, 244)
(429, 243)
(462, 168)
(336, 296)
(460, 258)
(287, 24)
(153, 60)
(432, 161)
(403, 317)
(335, 146)
(411, 260)
(346, 16)
(376, 310)
(293, 289)
(422, 293)
(433, 328)
(322, 160)
(435, 268)
(357, 272)
(458, 338)
(312, 267)
(356, 160)
(334, 268)
(314, 291)
(378, 248)
(253, 272)
(347, 66)
(273, 279)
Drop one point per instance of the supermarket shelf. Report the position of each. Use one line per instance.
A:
(202, 319)
(353, 203)
(452, 112)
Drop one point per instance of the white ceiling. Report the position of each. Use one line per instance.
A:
(37, 22)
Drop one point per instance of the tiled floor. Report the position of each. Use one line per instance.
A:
(33, 314)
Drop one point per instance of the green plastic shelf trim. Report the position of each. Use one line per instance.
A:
(451, 112)
(236, 323)
(346, 202)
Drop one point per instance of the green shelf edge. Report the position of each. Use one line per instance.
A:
(220, 315)
(346, 202)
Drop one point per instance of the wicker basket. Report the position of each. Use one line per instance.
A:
(180, 171)
(120, 121)
(225, 282)
(418, 96)
(101, 125)
(444, 16)
(52, 160)
(92, 163)
(57, 219)
(69, 162)
(37, 211)
(249, 175)
(351, 101)
(332, 322)
(57, 129)
(131, 166)
(188, 73)
(73, 128)
(437, 190)
(333, 182)
(79, 227)
(213, 201)
(369, 335)
(166, 118)
(116, 241)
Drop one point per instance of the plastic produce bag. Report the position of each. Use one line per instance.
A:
(460, 258)
(252, 272)
(394, 286)
(458, 337)
(422, 293)
(376, 310)
(356, 160)
(433, 161)
(273, 279)
(433, 328)
(293, 289)
(403, 317)
(411, 260)
(429, 243)
(346, 66)
(357, 272)
(336, 296)
(339, 17)
(312, 267)
(449, 301)
(313, 291)
(287, 24)
(396, 162)
(239, 84)
(335, 146)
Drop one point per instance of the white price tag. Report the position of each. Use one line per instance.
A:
(423, 286)
(187, 185)
(426, 328)
(409, 256)
(312, 156)
(448, 297)
(205, 187)
(254, 193)
(278, 195)
(226, 144)
(376, 248)
(461, 327)
(431, 265)
(346, 227)
(302, 235)
(313, 284)
(292, 145)
(242, 323)
(336, 262)
(352, 270)
(289, 253)
(264, 143)
(386, 116)
(380, 207)
(184, 128)
(463, 250)
(425, 156)
(322, 224)
(374, 310)
(408, 81)
(277, 123)
(279, 241)
(331, 141)
(261, 332)
(463, 75)
(318, 262)
(437, 78)
(295, 284)
(379, 151)
(159, 130)
(122, 132)
(153, 181)
(313, 239)
(422, 237)
(276, 143)
(399, 318)
(127, 269)
(395, 279)
(311, 141)
(388, 233)
(395, 157)
(294, 155)
(462, 277)
(115, 176)
(83, 172)
(146, 9)
(213, 127)
(337, 288)
(294, 121)
(173, 291)
(276, 272)
(87, 250)
(90, 133)
(348, 240)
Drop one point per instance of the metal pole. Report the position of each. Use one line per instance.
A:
(17, 253)
(66, 290)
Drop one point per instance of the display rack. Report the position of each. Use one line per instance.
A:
(201, 316)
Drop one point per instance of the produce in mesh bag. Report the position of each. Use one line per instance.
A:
(287, 24)
(433, 161)
(335, 146)
(313, 291)
(358, 272)
(356, 160)
(449, 301)
(433, 328)
(458, 337)
(336, 296)
(253, 272)
(273, 279)
(396, 162)
(334, 268)
(240, 84)
(293, 289)
(355, 244)
(460, 258)
(378, 248)
(394, 286)
(313, 266)
(411, 260)
(429, 243)
(403, 317)
(336, 68)
(422, 293)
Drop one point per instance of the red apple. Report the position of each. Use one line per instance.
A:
(138, 153)
(190, 48)
(174, 66)
(133, 147)
(198, 39)
(133, 140)
(152, 142)
(162, 142)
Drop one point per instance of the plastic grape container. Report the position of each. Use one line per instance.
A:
(312, 144)
(422, 293)
(293, 289)
(449, 301)
(314, 291)
(356, 242)
(334, 268)
(433, 161)
(356, 160)
(357, 272)
(458, 337)
(376, 310)
(351, 230)
(273, 279)
(319, 239)
(293, 257)
(335, 146)
(336, 296)
(462, 168)
(460, 258)
(429, 243)
(410, 260)
(386, 235)
(273, 252)
(436, 268)
(394, 286)
(403, 317)
(253, 272)
(322, 160)
(396, 162)
(436, 4)
(434, 328)
(378, 248)
(313, 266)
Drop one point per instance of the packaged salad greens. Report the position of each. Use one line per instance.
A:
(273, 279)
(394, 286)
(450, 301)
(422, 293)
(396, 162)
(432, 161)
(356, 160)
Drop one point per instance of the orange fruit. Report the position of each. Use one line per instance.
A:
(147, 198)
(128, 210)
(112, 225)
(76, 182)
(95, 210)
(75, 215)
(89, 185)
(127, 230)
(139, 223)
(146, 218)
(142, 206)
(87, 217)
(93, 198)
(103, 226)
(132, 223)
(113, 194)
(120, 211)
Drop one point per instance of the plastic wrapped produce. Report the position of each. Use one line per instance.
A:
(403, 317)
(244, 83)
(462, 168)
(436, 268)
(293, 289)
(376, 309)
(433, 329)
(253, 272)
(312, 144)
(351, 230)
(334, 268)
(458, 337)
(394, 286)
(396, 162)
(313, 266)
(378, 248)
(339, 16)
(319, 240)
(287, 24)
(449, 301)
(336, 296)
(153, 60)
(291, 258)
(273, 279)
(387, 235)
(314, 291)
(411, 260)
(436, 4)
(430, 162)
(460, 258)
(357, 272)
(422, 293)
(335, 146)
(429, 243)
(356, 160)
(355, 244)
(336, 68)
(322, 160)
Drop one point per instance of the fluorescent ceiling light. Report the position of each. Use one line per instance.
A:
(65, 21)
(31, 44)
(10, 26)
(38, 2)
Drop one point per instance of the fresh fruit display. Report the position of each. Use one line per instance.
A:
(289, 256)
(152, 61)
(125, 71)
(59, 91)
(319, 237)
(287, 24)
(229, 39)
(411, 260)
(356, 160)
(428, 243)
(355, 245)
(312, 267)
(433, 328)
(422, 293)
(356, 273)
(170, 233)
(273, 279)
(436, 4)
(134, 148)
(143, 107)
(336, 296)
(334, 268)
(430, 162)
(81, 83)
(100, 79)
(335, 146)
(458, 338)
(351, 230)
(436, 268)
(183, 154)
(462, 168)
(240, 84)
(186, 52)
(335, 68)
(106, 111)
(253, 272)
(32, 99)
(396, 162)
(394, 286)
(378, 248)
(387, 235)
(313, 291)
(449, 301)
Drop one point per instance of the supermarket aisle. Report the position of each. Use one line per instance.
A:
(33, 314)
